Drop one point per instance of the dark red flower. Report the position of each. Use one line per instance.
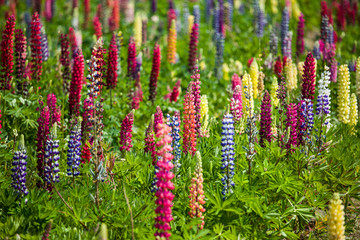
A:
(65, 60)
(265, 119)
(35, 45)
(76, 83)
(154, 73)
(111, 76)
(308, 85)
(193, 47)
(132, 59)
(6, 47)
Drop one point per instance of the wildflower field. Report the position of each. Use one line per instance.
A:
(201, 119)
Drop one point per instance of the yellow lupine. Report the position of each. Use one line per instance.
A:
(300, 67)
(204, 115)
(273, 92)
(294, 76)
(336, 219)
(138, 30)
(344, 94)
(254, 74)
(247, 91)
(353, 119)
(226, 70)
(358, 76)
(295, 9)
(191, 19)
(274, 6)
(171, 49)
(289, 74)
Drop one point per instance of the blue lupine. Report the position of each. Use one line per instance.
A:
(284, 28)
(215, 24)
(52, 158)
(44, 46)
(19, 169)
(330, 34)
(230, 12)
(260, 23)
(208, 9)
(316, 51)
(227, 143)
(175, 134)
(308, 115)
(219, 57)
(74, 152)
(196, 13)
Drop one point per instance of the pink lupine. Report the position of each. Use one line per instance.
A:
(300, 36)
(97, 27)
(158, 119)
(163, 195)
(236, 104)
(132, 59)
(235, 81)
(154, 73)
(126, 132)
(193, 47)
(72, 39)
(111, 76)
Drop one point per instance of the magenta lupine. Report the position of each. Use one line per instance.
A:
(308, 85)
(175, 92)
(291, 123)
(196, 92)
(300, 36)
(76, 83)
(35, 45)
(236, 104)
(154, 73)
(163, 195)
(333, 71)
(150, 141)
(193, 47)
(158, 119)
(301, 128)
(132, 59)
(235, 81)
(265, 119)
(20, 61)
(6, 47)
(42, 137)
(111, 76)
(126, 132)
(55, 111)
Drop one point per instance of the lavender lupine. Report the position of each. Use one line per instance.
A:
(44, 45)
(196, 13)
(74, 152)
(19, 169)
(227, 155)
(286, 47)
(274, 41)
(219, 57)
(284, 28)
(260, 23)
(52, 159)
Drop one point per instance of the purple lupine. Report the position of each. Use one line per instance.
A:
(196, 13)
(153, 6)
(300, 36)
(221, 17)
(308, 115)
(196, 92)
(316, 51)
(287, 50)
(19, 169)
(284, 28)
(74, 152)
(301, 127)
(324, 28)
(44, 46)
(227, 155)
(51, 170)
(260, 23)
(274, 41)
(215, 22)
(265, 119)
(291, 123)
(208, 9)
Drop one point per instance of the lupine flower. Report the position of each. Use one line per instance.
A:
(171, 15)
(230, 14)
(153, 6)
(193, 47)
(97, 27)
(35, 45)
(254, 74)
(138, 30)
(175, 92)
(215, 22)
(209, 8)
(341, 17)
(278, 67)
(273, 92)
(86, 12)
(324, 98)
(72, 39)
(344, 94)
(174, 123)
(287, 45)
(261, 86)
(324, 28)
(195, 85)
(291, 75)
(76, 82)
(132, 59)
(300, 36)
(42, 137)
(20, 61)
(333, 70)
(273, 43)
(19, 169)
(316, 51)
(171, 50)
(353, 116)
(6, 47)
(284, 28)
(336, 219)
(236, 104)
(158, 119)
(111, 77)
(196, 13)
(55, 112)
(357, 80)
(219, 57)
(44, 46)
(74, 152)
(308, 116)
(150, 141)
(291, 123)
(51, 168)
(86, 125)
(227, 155)
(114, 19)
(46, 234)
(260, 23)
(204, 113)
(189, 132)
(126, 132)
(235, 81)
(196, 196)
(248, 99)
(65, 61)
(221, 18)
(190, 23)
(301, 123)
(265, 119)
(164, 176)
(308, 85)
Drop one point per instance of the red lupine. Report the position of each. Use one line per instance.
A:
(86, 12)
(189, 136)
(125, 132)
(265, 119)
(236, 81)
(65, 61)
(55, 112)
(291, 123)
(195, 85)
(115, 16)
(154, 73)
(158, 119)
(300, 36)
(308, 85)
(193, 47)
(150, 141)
(353, 11)
(175, 92)
(6, 46)
(132, 59)
(42, 136)
(278, 68)
(97, 27)
(164, 175)
(99, 53)
(20, 58)
(72, 39)
(35, 45)
(341, 20)
(111, 77)
(76, 83)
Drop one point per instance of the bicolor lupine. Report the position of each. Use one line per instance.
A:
(112, 71)
(336, 219)
(163, 195)
(308, 85)
(154, 73)
(196, 196)
(344, 94)
(76, 83)
(189, 132)
(171, 48)
(44, 45)
(19, 169)
(235, 81)
(74, 151)
(193, 47)
(300, 36)
(308, 116)
(6, 48)
(324, 98)
(227, 155)
(35, 46)
(174, 123)
(52, 156)
(126, 132)
(265, 119)
(236, 104)
(20, 62)
(158, 119)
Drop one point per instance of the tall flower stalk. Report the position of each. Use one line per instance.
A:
(126, 132)
(344, 94)
(132, 59)
(6, 47)
(52, 157)
(74, 151)
(154, 73)
(265, 119)
(300, 36)
(219, 57)
(35, 46)
(189, 132)
(20, 62)
(65, 61)
(193, 47)
(236, 106)
(76, 83)
(353, 117)
(291, 123)
(254, 74)
(195, 86)
(174, 123)
(308, 85)
(171, 49)
(42, 137)
(336, 219)
(150, 141)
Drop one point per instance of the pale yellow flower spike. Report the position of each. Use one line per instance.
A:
(190, 24)
(294, 76)
(138, 30)
(204, 115)
(344, 94)
(289, 75)
(336, 219)
(254, 74)
(226, 70)
(247, 88)
(274, 6)
(358, 77)
(295, 9)
(171, 49)
(300, 67)
(273, 92)
(353, 113)
(261, 86)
